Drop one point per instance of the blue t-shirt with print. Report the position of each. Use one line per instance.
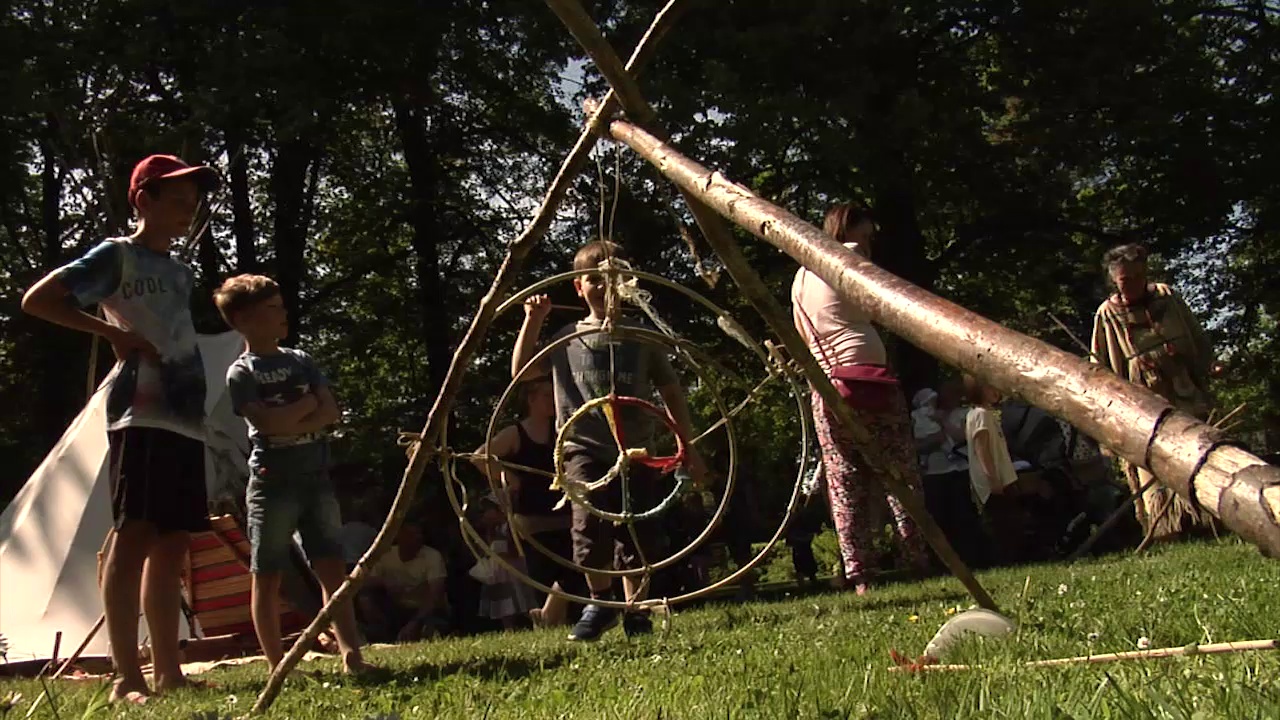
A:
(275, 381)
(149, 293)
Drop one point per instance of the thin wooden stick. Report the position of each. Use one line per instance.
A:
(1111, 521)
(425, 450)
(1071, 335)
(1222, 421)
(721, 240)
(91, 379)
(1156, 654)
(1150, 537)
(88, 638)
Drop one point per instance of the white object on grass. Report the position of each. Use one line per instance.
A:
(979, 622)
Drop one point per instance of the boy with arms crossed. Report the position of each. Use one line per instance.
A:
(581, 371)
(155, 410)
(288, 403)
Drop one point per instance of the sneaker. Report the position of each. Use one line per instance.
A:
(636, 624)
(595, 621)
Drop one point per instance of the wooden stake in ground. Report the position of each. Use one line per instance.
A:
(88, 638)
(721, 240)
(425, 449)
(1110, 522)
(1187, 455)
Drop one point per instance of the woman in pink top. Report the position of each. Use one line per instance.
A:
(849, 349)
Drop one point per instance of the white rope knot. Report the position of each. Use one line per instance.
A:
(627, 287)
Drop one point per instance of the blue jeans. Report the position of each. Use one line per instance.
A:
(281, 502)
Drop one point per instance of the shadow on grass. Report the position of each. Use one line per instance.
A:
(484, 668)
(874, 602)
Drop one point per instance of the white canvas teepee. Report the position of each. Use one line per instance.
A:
(51, 533)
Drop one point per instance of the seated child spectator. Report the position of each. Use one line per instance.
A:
(358, 531)
(403, 599)
(504, 597)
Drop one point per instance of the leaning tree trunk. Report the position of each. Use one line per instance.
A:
(1188, 456)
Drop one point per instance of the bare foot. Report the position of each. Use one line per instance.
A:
(182, 681)
(134, 693)
(536, 617)
(354, 664)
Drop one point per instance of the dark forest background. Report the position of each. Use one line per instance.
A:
(379, 156)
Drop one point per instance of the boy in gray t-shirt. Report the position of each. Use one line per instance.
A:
(583, 370)
(289, 404)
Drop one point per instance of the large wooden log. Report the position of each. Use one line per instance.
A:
(425, 449)
(1188, 456)
(719, 237)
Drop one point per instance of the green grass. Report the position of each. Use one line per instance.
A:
(826, 656)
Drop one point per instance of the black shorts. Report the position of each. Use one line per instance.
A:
(157, 476)
(599, 543)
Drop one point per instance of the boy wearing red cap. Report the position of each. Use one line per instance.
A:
(155, 409)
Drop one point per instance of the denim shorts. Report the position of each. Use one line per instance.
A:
(282, 502)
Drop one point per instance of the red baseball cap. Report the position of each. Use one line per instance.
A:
(158, 167)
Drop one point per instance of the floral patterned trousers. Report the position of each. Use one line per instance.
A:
(856, 492)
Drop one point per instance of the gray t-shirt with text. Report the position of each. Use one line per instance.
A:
(275, 381)
(581, 372)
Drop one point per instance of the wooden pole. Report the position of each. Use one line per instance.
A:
(1110, 522)
(1079, 343)
(1222, 422)
(88, 638)
(1187, 455)
(1155, 654)
(424, 450)
(721, 240)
